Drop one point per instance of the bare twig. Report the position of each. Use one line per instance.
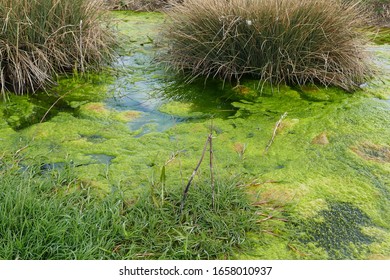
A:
(274, 133)
(296, 250)
(51, 107)
(265, 219)
(268, 217)
(270, 232)
(81, 48)
(185, 193)
(211, 169)
(21, 149)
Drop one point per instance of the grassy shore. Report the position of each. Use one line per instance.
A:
(49, 214)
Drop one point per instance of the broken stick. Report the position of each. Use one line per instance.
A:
(274, 133)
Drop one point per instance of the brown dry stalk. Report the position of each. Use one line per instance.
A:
(296, 250)
(186, 189)
(211, 169)
(258, 203)
(268, 217)
(265, 219)
(270, 232)
(274, 133)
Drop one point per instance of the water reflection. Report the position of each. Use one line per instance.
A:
(143, 85)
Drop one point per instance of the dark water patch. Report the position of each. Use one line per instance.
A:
(94, 138)
(101, 159)
(339, 230)
(45, 167)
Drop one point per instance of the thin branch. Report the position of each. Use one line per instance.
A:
(296, 250)
(51, 107)
(185, 193)
(21, 149)
(270, 232)
(55, 102)
(211, 169)
(81, 47)
(274, 133)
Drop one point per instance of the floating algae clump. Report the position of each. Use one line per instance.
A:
(98, 110)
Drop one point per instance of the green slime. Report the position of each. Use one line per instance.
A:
(313, 173)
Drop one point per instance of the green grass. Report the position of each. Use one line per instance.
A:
(50, 215)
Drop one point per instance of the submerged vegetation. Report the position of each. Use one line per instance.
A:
(42, 38)
(279, 41)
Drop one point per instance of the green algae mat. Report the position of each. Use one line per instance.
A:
(314, 161)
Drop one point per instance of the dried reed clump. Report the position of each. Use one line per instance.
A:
(278, 41)
(141, 5)
(41, 38)
(379, 10)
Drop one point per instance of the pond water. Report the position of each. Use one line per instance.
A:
(137, 90)
(330, 155)
(145, 87)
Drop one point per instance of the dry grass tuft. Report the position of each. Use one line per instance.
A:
(141, 5)
(277, 41)
(41, 38)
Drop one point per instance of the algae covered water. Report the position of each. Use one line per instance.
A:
(319, 175)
